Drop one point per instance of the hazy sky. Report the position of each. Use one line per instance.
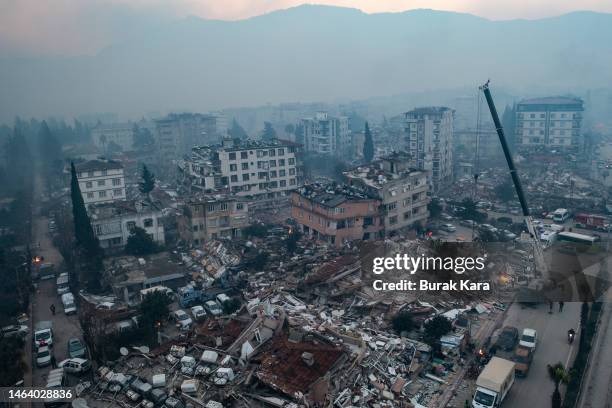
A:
(71, 27)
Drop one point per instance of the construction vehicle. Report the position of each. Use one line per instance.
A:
(540, 266)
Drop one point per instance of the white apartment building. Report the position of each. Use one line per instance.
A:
(120, 135)
(401, 189)
(259, 168)
(553, 122)
(101, 181)
(325, 134)
(428, 139)
(112, 223)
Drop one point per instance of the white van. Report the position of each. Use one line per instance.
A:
(68, 303)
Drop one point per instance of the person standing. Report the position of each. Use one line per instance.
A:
(561, 304)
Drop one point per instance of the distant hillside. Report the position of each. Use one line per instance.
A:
(311, 53)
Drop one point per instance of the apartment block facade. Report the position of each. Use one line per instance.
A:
(210, 217)
(336, 215)
(428, 139)
(325, 134)
(402, 190)
(101, 181)
(554, 122)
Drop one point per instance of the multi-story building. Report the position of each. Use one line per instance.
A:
(401, 189)
(113, 137)
(470, 143)
(113, 223)
(428, 138)
(252, 168)
(552, 122)
(336, 214)
(326, 134)
(177, 134)
(101, 181)
(211, 217)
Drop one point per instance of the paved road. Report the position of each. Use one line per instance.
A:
(597, 383)
(536, 389)
(64, 327)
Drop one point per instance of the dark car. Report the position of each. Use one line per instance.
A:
(507, 338)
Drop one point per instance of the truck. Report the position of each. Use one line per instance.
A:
(494, 383)
(591, 221)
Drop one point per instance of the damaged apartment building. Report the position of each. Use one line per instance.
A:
(208, 217)
(256, 169)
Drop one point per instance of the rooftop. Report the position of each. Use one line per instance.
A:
(119, 208)
(332, 195)
(552, 100)
(93, 165)
(429, 110)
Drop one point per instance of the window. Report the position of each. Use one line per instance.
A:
(98, 229)
(100, 183)
(195, 228)
(118, 192)
(245, 177)
(90, 195)
(262, 175)
(233, 167)
(232, 156)
(245, 166)
(148, 222)
(239, 206)
(281, 173)
(281, 152)
(392, 206)
(292, 182)
(116, 182)
(90, 174)
(283, 183)
(130, 225)
(89, 184)
(292, 172)
(104, 172)
(368, 221)
(101, 194)
(273, 184)
(281, 162)
(273, 174)
(291, 161)
(234, 178)
(272, 163)
(393, 220)
(272, 152)
(244, 155)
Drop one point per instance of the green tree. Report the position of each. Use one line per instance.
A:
(505, 191)
(403, 321)
(559, 375)
(368, 145)
(140, 243)
(147, 180)
(12, 364)
(50, 148)
(236, 131)
(434, 208)
(87, 244)
(268, 132)
(436, 328)
(154, 309)
(231, 306)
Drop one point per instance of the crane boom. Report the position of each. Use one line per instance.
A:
(539, 253)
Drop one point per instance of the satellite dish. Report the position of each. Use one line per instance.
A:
(123, 351)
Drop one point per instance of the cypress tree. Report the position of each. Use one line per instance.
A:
(148, 180)
(368, 145)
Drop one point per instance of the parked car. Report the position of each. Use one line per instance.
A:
(76, 348)
(529, 339)
(522, 359)
(507, 338)
(14, 331)
(43, 356)
(75, 365)
(448, 228)
(213, 308)
(182, 319)
(446, 217)
(198, 313)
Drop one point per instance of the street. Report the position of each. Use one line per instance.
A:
(536, 389)
(64, 327)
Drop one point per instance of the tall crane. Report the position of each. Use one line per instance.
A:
(540, 265)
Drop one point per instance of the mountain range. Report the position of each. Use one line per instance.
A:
(310, 53)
